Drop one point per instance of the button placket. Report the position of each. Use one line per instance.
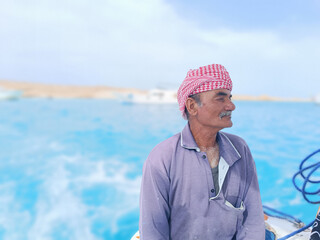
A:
(211, 189)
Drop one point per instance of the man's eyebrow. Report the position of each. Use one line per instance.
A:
(221, 94)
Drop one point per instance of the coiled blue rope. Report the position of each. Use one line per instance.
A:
(306, 180)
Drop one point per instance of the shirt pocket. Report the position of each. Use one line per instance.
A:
(240, 208)
(234, 202)
(236, 206)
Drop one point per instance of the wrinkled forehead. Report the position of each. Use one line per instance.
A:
(215, 93)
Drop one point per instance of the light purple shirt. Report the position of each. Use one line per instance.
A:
(178, 200)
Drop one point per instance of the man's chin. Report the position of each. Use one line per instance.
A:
(229, 125)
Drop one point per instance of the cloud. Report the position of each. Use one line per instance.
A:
(145, 43)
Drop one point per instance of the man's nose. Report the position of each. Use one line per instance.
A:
(230, 106)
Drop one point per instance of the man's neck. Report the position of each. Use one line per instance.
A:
(205, 137)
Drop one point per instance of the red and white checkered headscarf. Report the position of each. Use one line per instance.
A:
(203, 79)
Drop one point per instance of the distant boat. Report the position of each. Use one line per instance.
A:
(316, 99)
(9, 94)
(154, 96)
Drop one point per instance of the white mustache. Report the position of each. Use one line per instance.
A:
(223, 114)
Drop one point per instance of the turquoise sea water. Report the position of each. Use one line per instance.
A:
(71, 169)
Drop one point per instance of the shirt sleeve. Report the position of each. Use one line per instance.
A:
(154, 200)
(253, 227)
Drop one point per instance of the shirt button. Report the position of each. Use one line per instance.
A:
(212, 190)
(204, 156)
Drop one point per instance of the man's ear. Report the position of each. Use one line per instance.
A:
(192, 106)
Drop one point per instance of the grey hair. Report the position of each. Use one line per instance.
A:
(196, 97)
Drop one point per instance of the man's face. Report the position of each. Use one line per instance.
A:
(215, 110)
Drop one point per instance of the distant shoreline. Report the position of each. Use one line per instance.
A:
(41, 90)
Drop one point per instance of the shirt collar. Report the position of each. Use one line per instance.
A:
(187, 140)
(227, 150)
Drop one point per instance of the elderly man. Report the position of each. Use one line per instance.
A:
(202, 183)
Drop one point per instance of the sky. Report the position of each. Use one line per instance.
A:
(268, 47)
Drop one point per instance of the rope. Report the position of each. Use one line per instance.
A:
(307, 179)
(282, 215)
(296, 232)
